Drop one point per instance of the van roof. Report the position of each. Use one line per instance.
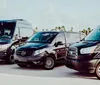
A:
(61, 31)
(12, 20)
(49, 31)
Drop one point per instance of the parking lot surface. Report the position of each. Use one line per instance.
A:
(36, 71)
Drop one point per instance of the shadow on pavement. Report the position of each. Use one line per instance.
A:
(82, 75)
(64, 74)
(35, 67)
(29, 68)
(4, 63)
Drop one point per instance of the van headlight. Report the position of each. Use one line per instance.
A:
(4, 47)
(37, 52)
(87, 50)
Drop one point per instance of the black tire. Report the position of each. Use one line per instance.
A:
(10, 59)
(49, 63)
(22, 65)
(97, 71)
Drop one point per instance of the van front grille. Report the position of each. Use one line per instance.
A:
(72, 52)
(24, 53)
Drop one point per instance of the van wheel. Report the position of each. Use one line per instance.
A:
(49, 63)
(22, 65)
(10, 59)
(97, 72)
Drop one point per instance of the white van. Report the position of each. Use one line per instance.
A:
(11, 32)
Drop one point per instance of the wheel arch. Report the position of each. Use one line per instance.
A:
(98, 61)
(52, 55)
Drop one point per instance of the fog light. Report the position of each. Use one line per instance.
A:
(38, 62)
(5, 53)
(34, 62)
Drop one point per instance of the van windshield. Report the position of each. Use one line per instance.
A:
(94, 35)
(43, 37)
(6, 30)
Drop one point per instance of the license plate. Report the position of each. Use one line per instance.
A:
(22, 59)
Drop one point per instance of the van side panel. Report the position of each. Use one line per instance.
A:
(24, 29)
(98, 61)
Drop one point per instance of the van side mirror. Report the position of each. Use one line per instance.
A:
(82, 39)
(58, 43)
(23, 39)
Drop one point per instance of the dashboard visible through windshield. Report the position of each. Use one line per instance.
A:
(6, 30)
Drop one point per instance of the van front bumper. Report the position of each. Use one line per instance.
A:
(3, 55)
(38, 60)
(81, 65)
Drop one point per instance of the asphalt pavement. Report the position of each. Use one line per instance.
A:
(36, 71)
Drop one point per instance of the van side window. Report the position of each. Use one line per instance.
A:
(60, 38)
(72, 37)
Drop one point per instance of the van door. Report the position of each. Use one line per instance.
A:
(60, 46)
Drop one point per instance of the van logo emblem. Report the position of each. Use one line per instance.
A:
(23, 53)
(71, 52)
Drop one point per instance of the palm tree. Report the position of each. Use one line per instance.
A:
(63, 28)
(71, 29)
(46, 29)
(52, 29)
(56, 28)
(42, 29)
(35, 30)
(86, 32)
(59, 28)
(89, 30)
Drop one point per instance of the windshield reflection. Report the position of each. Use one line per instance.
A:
(94, 35)
(43, 37)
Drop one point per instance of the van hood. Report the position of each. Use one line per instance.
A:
(4, 41)
(84, 44)
(33, 46)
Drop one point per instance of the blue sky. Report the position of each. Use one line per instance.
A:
(47, 14)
